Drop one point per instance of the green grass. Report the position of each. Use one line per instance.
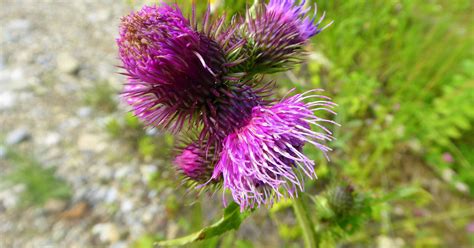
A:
(102, 96)
(40, 183)
(401, 72)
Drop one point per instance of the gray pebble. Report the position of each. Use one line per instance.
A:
(67, 63)
(17, 136)
(3, 152)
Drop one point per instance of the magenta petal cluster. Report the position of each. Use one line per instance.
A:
(195, 163)
(279, 30)
(288, 12)
(263, 160)
(171, 67)
(206, 83)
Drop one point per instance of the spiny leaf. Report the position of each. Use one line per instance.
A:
(231, 220)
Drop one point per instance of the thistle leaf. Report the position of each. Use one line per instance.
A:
(231, 220)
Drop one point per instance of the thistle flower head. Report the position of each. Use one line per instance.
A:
(278, 31)
(143, 33)
(208, 76)
(232, 110)
(172, 68)
(296, 15)
(195, 163)
(262, 161)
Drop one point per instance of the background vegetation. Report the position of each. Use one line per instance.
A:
(402, 73)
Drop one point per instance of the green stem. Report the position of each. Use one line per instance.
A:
(311, 240)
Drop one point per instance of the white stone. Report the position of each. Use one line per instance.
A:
(388, 242)
(7, 100)
(91, 142)
(111, 195)
(54, 205)
(84, 112)
(51, 139)
(107, 232)
(67, 63)
(17, 136)
(3, 152)
(126, 206)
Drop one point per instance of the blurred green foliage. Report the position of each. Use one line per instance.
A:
(101, 96)
(402, 73)
(39, 184)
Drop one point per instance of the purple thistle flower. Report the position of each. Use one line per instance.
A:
(262, 161)
(232, 110)
(195, 163)
(205, 77)
(296, 15)
(173, 70)
(278, 31)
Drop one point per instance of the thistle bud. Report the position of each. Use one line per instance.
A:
(341, 199)
(277, 34)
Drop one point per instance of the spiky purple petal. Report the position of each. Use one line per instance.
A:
(277, 33)
(296, 15)
(262, 161)
(172, 68)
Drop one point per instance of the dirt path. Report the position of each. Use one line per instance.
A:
(52, 53)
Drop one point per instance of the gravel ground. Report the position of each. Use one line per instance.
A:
(51, 53)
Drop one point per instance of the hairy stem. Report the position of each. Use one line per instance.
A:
(304, 219)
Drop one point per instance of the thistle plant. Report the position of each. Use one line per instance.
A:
(204, 81)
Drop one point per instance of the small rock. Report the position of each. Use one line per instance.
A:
(151, 131)
(107, 232)
(69, 124)
(16, 29)
(67, 63)
(121, 244)
(147, 217)
(152, 194)
(2, 62)
(149, 214)
(17, 136)
(10, 198)
(51, 139)
(19, 25)
(84, 112)
(3, 152)
(100, 15)
(54, 205)
(172, 230)
(147, 172)
(462, 187)
(7, 100)
(126, 206)
(388, 242)
(13, 79)
(90, 142)
(448, 175)
(76, 211)
(415, 145)
(97, 195)
(111, 195)
(122, 172)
